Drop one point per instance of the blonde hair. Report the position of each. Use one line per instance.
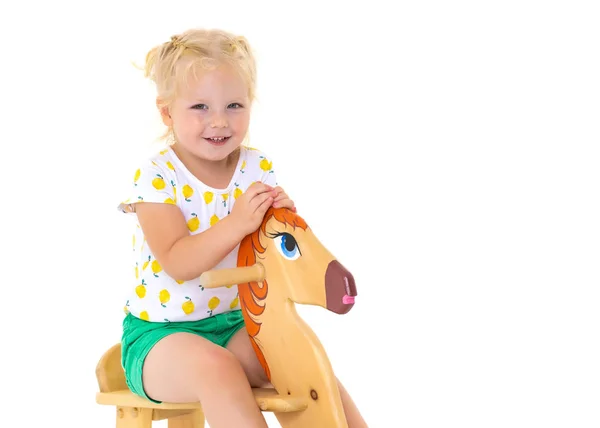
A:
(171, 64)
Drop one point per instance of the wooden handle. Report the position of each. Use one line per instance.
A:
(223, 277)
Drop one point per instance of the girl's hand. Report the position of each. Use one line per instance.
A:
(282, 200)
(250, 208)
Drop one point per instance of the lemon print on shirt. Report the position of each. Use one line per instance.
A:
(208, 197)
(213, 220)
(234, 303)
(146, 263)
(188, 306)
(156, 267)
(225, 197)
(140, 290)
(243, 167)
(194, 223)
(170, 166)
(237, 193)
(164, 297)
(174, 199)
(137, 271)
(187, 192)
(158, 183)
(213, 303)
(144, 315)
(136, 177)
(265, 165)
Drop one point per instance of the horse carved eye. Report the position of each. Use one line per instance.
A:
(288, 247)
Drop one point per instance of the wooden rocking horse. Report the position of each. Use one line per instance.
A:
(282, 263)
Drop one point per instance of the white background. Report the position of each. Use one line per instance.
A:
(446, 152)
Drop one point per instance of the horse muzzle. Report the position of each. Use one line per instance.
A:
(340, 288)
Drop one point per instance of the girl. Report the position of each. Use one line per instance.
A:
(194, 202)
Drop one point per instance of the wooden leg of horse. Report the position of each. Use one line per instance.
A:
(353, 416)
(194, 419)
(134, 417)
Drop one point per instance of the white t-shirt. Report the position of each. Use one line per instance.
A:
(154, 295)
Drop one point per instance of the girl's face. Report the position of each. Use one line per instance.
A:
(210, 117)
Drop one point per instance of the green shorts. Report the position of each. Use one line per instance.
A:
(140, 336)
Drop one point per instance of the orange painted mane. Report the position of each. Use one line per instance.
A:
(250, 293)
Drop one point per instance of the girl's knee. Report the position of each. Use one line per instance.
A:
(220, 360)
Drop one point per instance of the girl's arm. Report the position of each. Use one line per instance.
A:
(184, 256)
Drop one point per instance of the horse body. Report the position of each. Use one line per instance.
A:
(283, 263)
(299, 367)
(297, 269)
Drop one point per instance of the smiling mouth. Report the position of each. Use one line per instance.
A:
(217, 141)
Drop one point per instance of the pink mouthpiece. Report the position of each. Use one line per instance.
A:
(347, 300)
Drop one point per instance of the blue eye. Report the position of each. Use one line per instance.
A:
(288, 247)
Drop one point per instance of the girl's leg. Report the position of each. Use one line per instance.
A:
(184, 367)
(240, 346)
(353, 416)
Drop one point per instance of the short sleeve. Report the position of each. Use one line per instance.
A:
(150, 183)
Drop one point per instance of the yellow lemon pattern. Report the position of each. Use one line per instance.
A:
(140, 290)
(156, 268)
(213, 303)
(154, 295)
(174, 187)
(265, 164)
(237, 193)
(158, 183)
(188, 192)
(194, 223)
(187, 306)
(164, 297)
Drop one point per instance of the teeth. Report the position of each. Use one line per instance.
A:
(218, 139)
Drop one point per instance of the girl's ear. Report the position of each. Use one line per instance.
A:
(164, 112)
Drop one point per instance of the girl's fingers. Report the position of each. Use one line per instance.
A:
(285, 203)
(259, 200)
(257, 189)
(264, 206)
(281, 196)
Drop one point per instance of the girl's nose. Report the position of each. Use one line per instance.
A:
(218, 121)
